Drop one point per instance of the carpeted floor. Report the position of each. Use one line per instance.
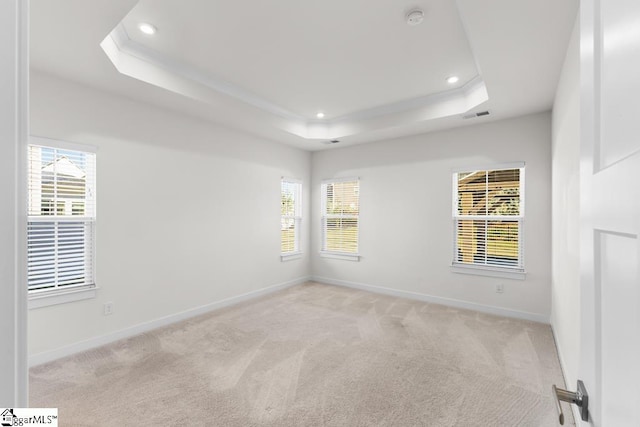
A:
(314, 355)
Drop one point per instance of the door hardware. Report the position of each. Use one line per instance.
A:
(580, 398)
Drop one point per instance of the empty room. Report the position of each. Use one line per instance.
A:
(340, 213)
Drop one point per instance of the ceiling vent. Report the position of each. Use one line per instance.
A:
(474, 115)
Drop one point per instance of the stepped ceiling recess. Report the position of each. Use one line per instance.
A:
(305, 73)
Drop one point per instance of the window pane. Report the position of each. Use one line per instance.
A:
(61, 186)
(503, 192)
(288, 198)
(59, 254)
(290, 208)
(71, 253)
(341, 235)
(472, 192)
(487, 194)
(41, 255)
(343, 198)
(58, 179)
(288, 235)
(471, 242)
(494, 243)
(493, 192)
(341, 204)
(502, 243)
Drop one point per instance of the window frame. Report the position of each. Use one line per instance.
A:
(347, 256)
(60, 295)
(297, 219)
(516, 272)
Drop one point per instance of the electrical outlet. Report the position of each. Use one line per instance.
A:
(108, 308)
(499, 288)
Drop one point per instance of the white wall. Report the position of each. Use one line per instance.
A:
(406, 235)
(565, 290)
(171, 190)
(188, 212)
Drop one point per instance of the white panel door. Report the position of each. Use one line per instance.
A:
(610, 210)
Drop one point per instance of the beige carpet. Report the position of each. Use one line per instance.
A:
(314, 355)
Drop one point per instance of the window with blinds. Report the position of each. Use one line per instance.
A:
(340, 216)
(488, 214)
(61, 219)
(291, 210)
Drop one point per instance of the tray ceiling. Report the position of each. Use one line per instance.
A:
(271, 67)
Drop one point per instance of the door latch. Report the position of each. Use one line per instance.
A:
(580, 398)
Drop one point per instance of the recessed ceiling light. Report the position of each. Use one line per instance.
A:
(453, 79)
(320, 115)
(147, 28)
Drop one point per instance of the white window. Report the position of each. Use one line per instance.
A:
(61, 222)
(340, 218)
(488, 211)
(291, 210)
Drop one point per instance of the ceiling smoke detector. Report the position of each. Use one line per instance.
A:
(415, 17)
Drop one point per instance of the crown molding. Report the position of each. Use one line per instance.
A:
(140, 62)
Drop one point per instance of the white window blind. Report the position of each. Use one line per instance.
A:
(61, 219)
(340, 216)
(291, 210)
(488, 214)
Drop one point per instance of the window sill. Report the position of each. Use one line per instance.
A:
(45, 299)
(290, 256)
(340, 255)
(477, 270)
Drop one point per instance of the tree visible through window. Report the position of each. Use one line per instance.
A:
(488, 214)
(340, 216)
(61, 219)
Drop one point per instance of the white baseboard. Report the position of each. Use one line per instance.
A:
(540, 318)
(68, 350)
(563, 368)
